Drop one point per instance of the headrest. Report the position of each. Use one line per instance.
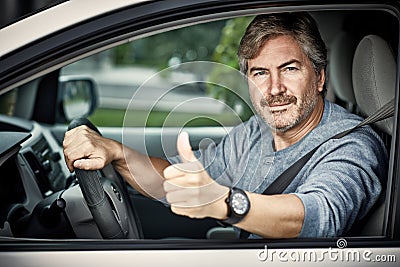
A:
(374, 77)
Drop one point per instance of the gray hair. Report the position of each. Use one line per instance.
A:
(301, 26)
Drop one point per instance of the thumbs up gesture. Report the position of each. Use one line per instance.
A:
(189, 189)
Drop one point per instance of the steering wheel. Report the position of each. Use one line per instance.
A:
(107, 199)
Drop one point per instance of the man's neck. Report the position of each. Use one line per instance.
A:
(285, 139)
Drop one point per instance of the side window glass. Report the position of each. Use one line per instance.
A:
(191, 72)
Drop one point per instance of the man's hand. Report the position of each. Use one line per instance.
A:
(190, 190)
(87, 150)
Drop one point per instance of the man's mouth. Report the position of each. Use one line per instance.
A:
(279, 107)
(278, 103)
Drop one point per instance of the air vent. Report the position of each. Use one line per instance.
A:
(45, 164)
(39, 172)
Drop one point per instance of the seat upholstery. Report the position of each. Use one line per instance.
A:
(374, 79)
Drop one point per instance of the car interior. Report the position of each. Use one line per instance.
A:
(40, 198)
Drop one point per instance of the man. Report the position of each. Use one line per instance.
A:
(284, 58)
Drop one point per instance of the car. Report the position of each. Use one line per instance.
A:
(142, 72)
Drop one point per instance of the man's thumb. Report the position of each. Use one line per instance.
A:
(184, 148)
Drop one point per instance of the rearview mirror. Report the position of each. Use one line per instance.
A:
(78, 96)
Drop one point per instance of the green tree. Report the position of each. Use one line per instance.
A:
(226, 53)
(159, 51)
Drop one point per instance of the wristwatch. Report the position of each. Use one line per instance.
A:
(238, 205)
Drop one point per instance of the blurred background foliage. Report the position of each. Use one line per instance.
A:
(226, 53)
(215, 41)
(194, 43)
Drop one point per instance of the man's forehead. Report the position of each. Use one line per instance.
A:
(278, 50)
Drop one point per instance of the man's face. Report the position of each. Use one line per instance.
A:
(284, 87)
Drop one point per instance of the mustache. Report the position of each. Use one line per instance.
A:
(277, 100)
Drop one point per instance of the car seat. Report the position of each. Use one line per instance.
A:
(374, 80)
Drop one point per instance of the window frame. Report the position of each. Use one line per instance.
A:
(133, 22)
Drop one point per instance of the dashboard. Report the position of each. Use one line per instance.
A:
(39, 197)
(33, 177)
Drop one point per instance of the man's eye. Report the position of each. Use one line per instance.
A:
(290, 69)
(259, 73)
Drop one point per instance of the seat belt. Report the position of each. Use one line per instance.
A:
(283, 180)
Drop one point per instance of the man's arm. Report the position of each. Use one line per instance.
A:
(142, 172)
(275, 216)
(85, 149)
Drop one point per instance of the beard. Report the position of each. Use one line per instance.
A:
(286, 119)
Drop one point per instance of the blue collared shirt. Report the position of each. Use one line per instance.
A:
(337, 186)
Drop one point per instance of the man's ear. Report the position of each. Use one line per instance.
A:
(321, 80)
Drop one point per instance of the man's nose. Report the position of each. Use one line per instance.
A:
(275, 84)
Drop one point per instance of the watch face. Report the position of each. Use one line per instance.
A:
(240, 203)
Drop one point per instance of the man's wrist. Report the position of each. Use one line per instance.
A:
(222, 208)
(117, 157)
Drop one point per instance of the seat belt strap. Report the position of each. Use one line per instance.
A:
(283, 180)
